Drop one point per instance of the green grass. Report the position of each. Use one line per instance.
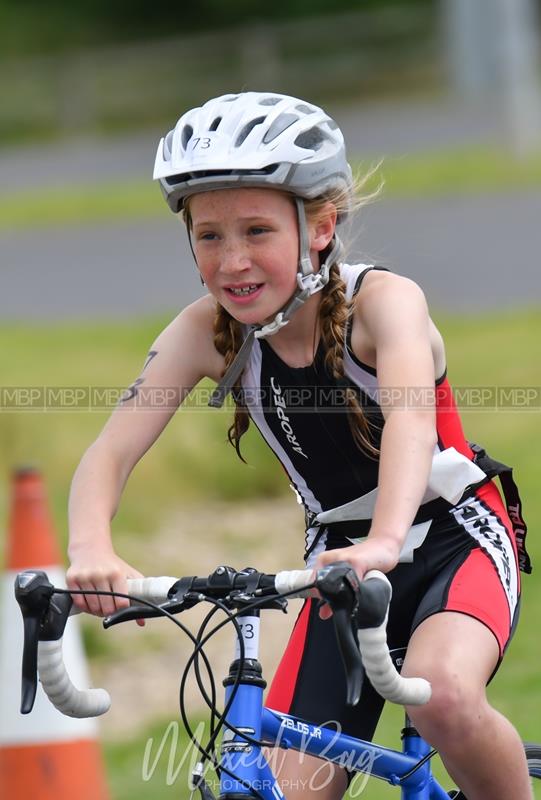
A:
(190, 462)
(155, 764)
(465, 171)
(461, 171)
(104, 202)
(179, 467)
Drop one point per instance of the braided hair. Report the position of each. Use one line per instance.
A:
(334, 318)
(228, 339)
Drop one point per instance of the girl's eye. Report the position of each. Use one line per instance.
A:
(258, 229)
(207, 237)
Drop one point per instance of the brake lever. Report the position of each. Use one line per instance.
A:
(346, 634)
(131, 613)
(339, 585)
(44, 619)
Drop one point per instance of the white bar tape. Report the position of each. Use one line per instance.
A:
(152, 589)
(52, 671)
(294, 580)
(382, 672)
(379, 666)
(60, 690)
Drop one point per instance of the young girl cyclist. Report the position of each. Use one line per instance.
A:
(343, 372)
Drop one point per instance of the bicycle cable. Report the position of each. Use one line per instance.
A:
(208, 753)
(212, 700)
(222, 722)
(168, 615)
(231, 617)
(419, 764)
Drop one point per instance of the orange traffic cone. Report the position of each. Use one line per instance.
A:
(44, 755)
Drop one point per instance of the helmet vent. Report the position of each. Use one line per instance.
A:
(304, 109)
(269, 101)
(226, 174)
(186, 135)
(248, 128)
(167, 143)
(278, 126)
(215, 123)
(310, 140)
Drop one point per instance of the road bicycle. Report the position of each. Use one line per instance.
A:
(241, 734)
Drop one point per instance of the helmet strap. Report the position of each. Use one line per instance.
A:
(305, 262)
(193, 253)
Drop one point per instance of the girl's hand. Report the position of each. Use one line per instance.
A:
(102, 570)
(377, 552)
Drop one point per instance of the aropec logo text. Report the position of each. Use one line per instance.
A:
(280, 404)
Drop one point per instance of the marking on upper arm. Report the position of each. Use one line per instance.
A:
(133, 389)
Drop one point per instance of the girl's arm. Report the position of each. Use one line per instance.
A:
(393, 330)
(180, 357)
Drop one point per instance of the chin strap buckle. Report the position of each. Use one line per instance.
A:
(279, 321)
(314, 282)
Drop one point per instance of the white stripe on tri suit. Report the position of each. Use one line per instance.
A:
(483, 525)
(250, 380)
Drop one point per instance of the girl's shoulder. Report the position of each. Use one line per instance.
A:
(189, 337)
(361, 276)
(378, 290)
(388, 309)
(195, 320)
(200, 313)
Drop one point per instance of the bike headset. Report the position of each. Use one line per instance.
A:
(261, 140)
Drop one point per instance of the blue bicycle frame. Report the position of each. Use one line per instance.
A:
(245, 761)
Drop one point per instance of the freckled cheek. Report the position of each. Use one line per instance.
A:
(206, 267)
(283, 269)
(210, 280)
(289, 275)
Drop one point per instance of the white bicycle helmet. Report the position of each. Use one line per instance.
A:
(252, 139)
(264, 140)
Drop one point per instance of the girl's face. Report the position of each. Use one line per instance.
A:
(246, 244)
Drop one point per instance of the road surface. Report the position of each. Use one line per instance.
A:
(468, 252)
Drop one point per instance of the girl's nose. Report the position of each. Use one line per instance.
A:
(234, 258)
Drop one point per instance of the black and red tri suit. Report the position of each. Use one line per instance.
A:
(460, 553)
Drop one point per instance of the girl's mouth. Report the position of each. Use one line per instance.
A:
(244, 293)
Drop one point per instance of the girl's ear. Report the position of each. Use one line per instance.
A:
(322, 228)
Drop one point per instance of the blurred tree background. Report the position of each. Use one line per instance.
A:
(97, 66)
(34, 27)
(102, 67)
